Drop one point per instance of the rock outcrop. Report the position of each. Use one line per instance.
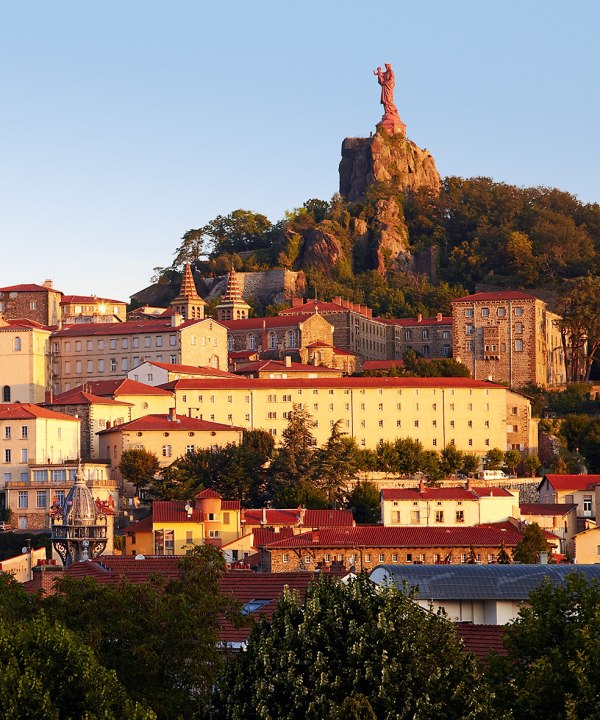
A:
(382, 158)
(399, 165)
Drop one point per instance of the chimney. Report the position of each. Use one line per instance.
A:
(315, 536)
(468, 484)
(296, 302)
(438, 317)
(172, 417)
(263, 519)
(337, 300)
(48, 284)
(421, 486)
(301, 514)
(287, 361)
(419, 317)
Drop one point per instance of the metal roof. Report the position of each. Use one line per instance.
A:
(478, 582)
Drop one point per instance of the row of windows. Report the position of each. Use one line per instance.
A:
(113, 364)
(485, 312)
(518, 345)
(41, 499)
(419, 558)
(425, 334)
(113, 343)
(8, 432)
(415, 517)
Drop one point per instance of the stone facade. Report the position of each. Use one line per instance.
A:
(508, 337)
(429, 337)
(40, 303)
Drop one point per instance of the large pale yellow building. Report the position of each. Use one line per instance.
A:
(24, 366)
(88, 352)
(471, 414)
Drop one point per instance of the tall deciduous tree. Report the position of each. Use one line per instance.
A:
(139, 466)
(551, 669)
(47, 673)
(365, 502)
(579, 307)
(533, 542)
(352, 651)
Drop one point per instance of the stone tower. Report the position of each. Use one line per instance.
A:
(188, 303)
(232, 306)
(79, 529)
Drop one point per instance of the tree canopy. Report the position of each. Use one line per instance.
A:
(352, 651)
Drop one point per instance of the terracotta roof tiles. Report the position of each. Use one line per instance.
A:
(443, 493)
(572, 482)
(164, 422)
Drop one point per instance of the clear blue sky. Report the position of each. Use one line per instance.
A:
(126, 123)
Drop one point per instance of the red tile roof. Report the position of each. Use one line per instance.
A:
(443, 493)
(129, 327)
(78, 396)
(23, 323)
(572, 482)
(89, 299)
(481, 639)
(374, 536)
(496, 296)
(290, 516)
(208, 493)
(141, 526)
(326, 383)
(257, 324)
(280, 366)
(242, 354)
(547, 508)
(123, 386)
(314, 306)
(27, 411)
(191, 369)
(165, 511)
(336, 351)
(163, 422)
(28, 287)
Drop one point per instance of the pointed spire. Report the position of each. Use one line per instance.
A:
(233, 292)
(188, 286)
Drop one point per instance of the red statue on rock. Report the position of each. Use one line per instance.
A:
(391, 119)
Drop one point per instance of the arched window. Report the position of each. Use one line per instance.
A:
(251, 342)
(17, 343)
(291, 338)
(214, 362)
(272, 340)
(6, 393)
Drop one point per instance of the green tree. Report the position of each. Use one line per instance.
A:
(352, 650)
(512, 458)
(292, 470)
(470, 464)
(551, 669)
(503, 556)
(47, 673)
(532, 463)
(139, 467)
(240, 231)
(160, 637)
(579, 307)
(451, 459)
(336, 464)
(533, 542)
(410, 455)
(365, 502)
(494, 459)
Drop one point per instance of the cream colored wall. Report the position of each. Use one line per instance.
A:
(368, 414)
(202, 342)
(485, 510)
(587, 547)
(200, 531)
(101, 416)
(47, 439)
(148, 404)
(25, 371)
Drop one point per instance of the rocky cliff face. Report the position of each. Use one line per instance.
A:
(382, 158)
(402, 166)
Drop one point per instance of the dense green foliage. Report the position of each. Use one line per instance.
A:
(138, 466)
(533, 542)
(48, 673)
(352, 651)
(158, 638)
(551, 670)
